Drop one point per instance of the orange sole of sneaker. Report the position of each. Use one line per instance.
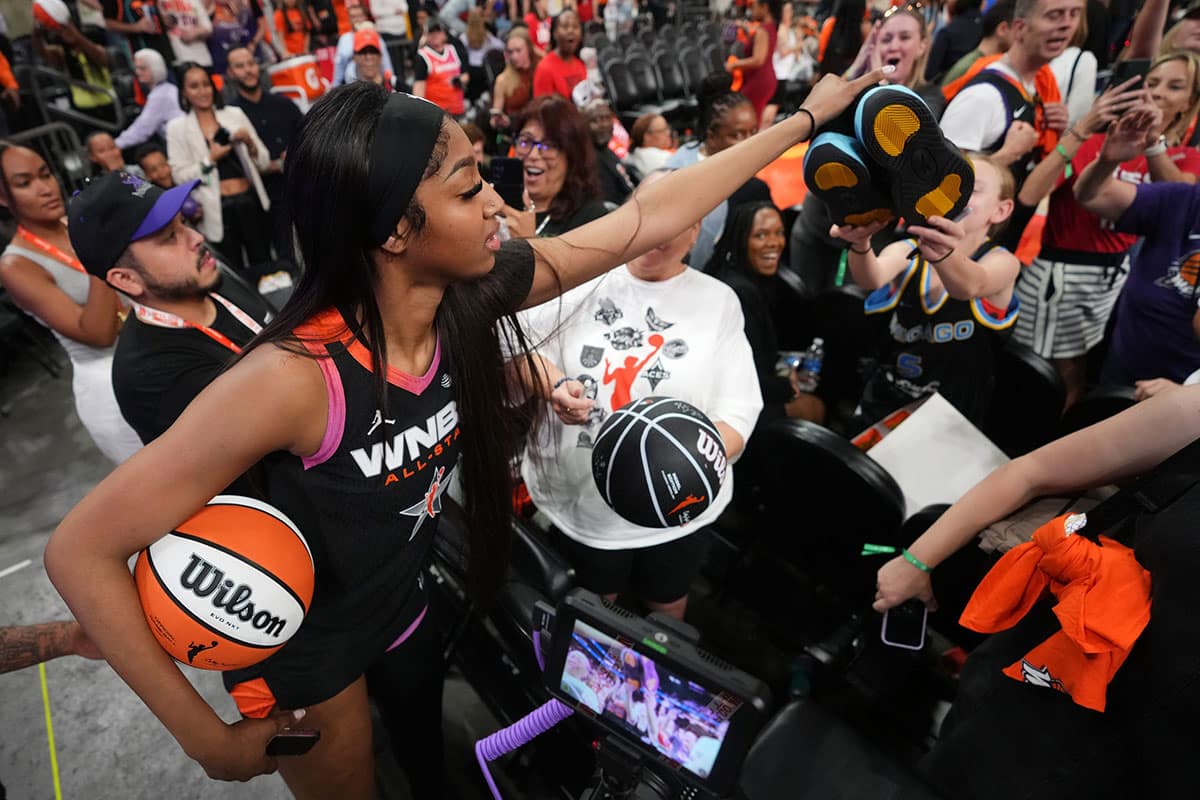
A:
(939, 202)
(894, 126)
(834, 176)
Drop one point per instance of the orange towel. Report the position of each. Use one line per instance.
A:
(1103, 604)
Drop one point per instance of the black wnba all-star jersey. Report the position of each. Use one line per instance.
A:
(937, 345)
(368, 503)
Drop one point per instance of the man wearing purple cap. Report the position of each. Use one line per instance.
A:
(131, 234)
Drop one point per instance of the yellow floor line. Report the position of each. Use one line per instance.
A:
(50, 733)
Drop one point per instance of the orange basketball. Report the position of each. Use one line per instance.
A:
(229, 586)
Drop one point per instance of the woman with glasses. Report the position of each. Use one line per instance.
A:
(514, 86)
(653, 143)
(560, 170)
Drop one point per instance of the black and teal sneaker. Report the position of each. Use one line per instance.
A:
(837, 171)
(930, 177)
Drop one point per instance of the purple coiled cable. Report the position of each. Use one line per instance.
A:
(522, 731)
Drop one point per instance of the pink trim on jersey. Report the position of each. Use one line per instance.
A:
(335, 420)
(408, 631)
(412, 383)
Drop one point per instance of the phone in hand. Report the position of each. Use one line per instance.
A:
(904, 625)
(222, 136)
(293, 742)
(1128, 69)
(508, 178)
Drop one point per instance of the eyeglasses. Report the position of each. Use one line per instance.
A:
(526, 144)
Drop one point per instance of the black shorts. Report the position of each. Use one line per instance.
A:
(659, 574)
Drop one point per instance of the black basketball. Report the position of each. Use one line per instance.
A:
(659, 462)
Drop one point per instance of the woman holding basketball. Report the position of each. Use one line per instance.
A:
(388, 342)
(596, 358)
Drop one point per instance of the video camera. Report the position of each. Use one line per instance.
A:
(668, 708)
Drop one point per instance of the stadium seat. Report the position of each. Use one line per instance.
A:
(668, 33)
(671, 79)
(647, 38)
(714, 57)
(806, 753)
(823, 499)
(493, 65)
(695, 69)
(1027, 401)
(625, 93)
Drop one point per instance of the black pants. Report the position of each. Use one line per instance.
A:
(406, 685)
(247, 230)
(281, 232)
(1005, 740)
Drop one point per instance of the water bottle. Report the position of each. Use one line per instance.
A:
(809, 374)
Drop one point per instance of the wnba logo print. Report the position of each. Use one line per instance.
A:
(713, 452)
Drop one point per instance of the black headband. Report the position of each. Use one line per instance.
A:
(404, 140)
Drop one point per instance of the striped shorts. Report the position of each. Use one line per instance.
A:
(1065, 306)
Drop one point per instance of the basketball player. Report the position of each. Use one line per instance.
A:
(183, 332)
(358, 401)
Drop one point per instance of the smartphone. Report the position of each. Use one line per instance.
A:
(904, 625)
(508, 176)
(1128, 69)
(221, 137)
(294, 742)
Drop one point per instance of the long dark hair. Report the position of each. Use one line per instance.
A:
(846, 37)
(563, 125)
(184, 69)
(328, 165)
(730, 258)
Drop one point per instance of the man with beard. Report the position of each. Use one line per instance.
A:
(276, 120)
(182, 332)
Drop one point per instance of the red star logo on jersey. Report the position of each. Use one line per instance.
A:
(431, 506)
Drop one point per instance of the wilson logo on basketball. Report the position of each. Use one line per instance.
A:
(713, 452)
(203, 579)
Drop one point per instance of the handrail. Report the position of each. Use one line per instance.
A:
(71, 114)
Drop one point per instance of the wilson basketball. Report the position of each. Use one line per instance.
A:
(229, 586)
(659, 462)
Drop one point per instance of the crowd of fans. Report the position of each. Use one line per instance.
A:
(1079, 119)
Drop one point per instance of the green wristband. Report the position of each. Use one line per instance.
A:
(916, 562)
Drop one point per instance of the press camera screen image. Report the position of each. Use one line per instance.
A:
(681, 719)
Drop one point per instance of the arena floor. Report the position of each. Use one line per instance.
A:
(105, 742)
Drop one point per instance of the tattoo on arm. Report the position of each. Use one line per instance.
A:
(26, 645)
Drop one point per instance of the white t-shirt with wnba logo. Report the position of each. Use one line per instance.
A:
(626, 339)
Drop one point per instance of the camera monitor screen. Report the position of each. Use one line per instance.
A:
(681, 719)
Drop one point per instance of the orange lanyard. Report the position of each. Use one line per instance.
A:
(50, 250)
(163, 319)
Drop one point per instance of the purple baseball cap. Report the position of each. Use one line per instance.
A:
(115, 209)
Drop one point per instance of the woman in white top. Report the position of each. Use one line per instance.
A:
(652, 143)
(42, 276)
(218, 144)
(684, 331)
